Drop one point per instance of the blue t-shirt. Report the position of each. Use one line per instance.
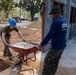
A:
(57, 34)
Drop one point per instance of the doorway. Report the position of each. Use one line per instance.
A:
(72, 23)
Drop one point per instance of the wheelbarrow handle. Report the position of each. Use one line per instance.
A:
(46, 44)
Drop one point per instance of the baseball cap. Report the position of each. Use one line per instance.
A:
(55, 9)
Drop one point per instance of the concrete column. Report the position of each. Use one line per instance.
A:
(68, 11)
(48, 19)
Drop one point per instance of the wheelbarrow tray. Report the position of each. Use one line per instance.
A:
(26, 52)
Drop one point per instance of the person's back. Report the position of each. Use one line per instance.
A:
(59, 37)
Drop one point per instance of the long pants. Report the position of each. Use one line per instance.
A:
(51, 62)
(6, 48)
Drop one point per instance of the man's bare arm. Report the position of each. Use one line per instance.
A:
(19, 33)
(3, 39)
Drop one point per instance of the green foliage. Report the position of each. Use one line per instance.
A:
(6, 6)
(30, 5)
(33, 5)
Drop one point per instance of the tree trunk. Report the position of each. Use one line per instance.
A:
(32, 15)
(5, 14)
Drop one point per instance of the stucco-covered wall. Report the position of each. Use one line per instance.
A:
(61, 1)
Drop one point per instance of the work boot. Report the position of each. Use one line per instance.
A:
(7, 51)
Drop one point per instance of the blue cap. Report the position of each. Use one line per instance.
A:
(12, 22)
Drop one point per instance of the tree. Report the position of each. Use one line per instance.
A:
(30, 5)
(6, 6)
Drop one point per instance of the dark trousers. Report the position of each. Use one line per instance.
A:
(6, 48)
(51, 62)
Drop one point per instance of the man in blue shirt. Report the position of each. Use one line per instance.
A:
(57, 35)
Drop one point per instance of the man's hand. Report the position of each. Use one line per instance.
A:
(8, 45)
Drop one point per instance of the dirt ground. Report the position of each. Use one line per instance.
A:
(4, 65)
(31, 34)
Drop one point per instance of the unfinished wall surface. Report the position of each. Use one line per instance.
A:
(61, 1)
(73, 3)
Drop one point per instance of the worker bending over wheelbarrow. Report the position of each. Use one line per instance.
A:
(5, 36)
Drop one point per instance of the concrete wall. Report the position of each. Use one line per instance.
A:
(61, 1)
(73, 3)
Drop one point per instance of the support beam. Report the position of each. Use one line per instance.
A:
(68, 16)
(48, 20)
(43, 19)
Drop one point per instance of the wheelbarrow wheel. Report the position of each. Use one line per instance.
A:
(21, 59)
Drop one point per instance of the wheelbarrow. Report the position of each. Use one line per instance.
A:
(25, 53)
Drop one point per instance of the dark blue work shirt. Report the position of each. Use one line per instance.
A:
(57, 34)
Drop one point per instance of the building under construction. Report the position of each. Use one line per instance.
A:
(68, 11)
